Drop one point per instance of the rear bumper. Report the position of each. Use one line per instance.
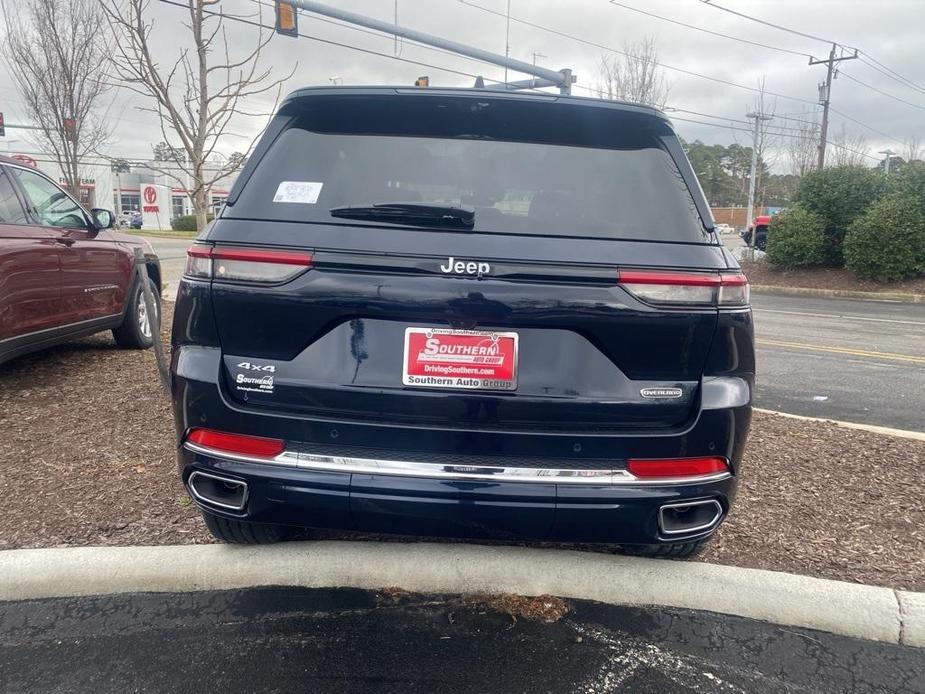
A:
(421, 505)
(569, 496)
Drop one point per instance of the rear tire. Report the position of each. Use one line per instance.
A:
(672, 550)
(238, 532)
(135, 331)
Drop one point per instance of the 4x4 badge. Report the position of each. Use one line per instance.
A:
(661, 393)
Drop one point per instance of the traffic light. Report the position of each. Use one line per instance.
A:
(287, 19)
(2, 127)
(70, 129)
(422, 81)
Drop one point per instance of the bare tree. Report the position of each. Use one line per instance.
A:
(802, 145)
(913, 150)
(197, 96)
(54, 52)
(849, 150)
(635, 76)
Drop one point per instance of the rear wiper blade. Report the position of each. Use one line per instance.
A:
(415, 213)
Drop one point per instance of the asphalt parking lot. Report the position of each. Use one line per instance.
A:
(342, 640)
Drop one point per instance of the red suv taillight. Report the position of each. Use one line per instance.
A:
(677, 467)
(725, 290)
(255, 446)
(245, 264)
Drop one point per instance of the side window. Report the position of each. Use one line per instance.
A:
(51, 205)
(11, 211)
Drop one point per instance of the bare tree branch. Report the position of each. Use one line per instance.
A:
(59, 77)
(199, 96)
(634, 76)
(802, 146)
(913, 149)
(848, 150)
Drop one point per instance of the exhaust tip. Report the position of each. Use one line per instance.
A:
(689, 517)
(215, 490)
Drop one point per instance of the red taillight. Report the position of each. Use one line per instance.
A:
(670, 287)
(198, 262)
(255, 446)
(246, 264)
(677, 467)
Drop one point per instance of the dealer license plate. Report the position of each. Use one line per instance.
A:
(463, 359)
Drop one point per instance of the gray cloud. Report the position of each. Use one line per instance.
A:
(890, 30)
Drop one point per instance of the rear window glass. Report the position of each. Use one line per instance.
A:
(634, 191)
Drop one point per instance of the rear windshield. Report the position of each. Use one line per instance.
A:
(630, 191)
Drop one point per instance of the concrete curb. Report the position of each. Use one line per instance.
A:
(904, 297)
(860, 611)
(872, 428)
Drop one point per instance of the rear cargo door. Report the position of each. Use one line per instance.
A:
(518, 320)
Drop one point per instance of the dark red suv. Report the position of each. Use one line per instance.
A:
(64, 272)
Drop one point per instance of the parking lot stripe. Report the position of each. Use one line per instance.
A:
(841, 350)
(839, 316)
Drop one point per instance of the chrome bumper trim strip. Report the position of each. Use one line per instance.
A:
(485, 473)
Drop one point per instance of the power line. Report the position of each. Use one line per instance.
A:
(869, 127)
(842, 73)
(874, 63)
(611, 49)
(836, 145)
(377, 34)
(710, 3)
(709, 31)
(329, 42)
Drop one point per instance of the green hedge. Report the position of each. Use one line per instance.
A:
(796, 238)
(839, 195)
(910, 182)
(887, 243)
(187, 222)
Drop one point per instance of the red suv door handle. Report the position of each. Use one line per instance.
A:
(66, 242)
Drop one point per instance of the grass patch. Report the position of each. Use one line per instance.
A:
(162, 233)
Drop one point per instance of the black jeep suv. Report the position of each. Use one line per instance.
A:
(464, 312)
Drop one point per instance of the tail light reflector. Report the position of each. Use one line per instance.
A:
(245, 264)
(677, 467)
(241, 444)
(686, 288)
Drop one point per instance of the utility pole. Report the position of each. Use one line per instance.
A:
(825, 94)
(749, 215)
(507, 38)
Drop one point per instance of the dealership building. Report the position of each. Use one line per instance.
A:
(126, 191)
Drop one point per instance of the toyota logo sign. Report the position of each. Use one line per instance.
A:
(150, 197)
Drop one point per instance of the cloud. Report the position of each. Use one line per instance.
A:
(889, 30)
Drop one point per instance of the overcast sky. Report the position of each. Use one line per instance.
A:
(889, 31)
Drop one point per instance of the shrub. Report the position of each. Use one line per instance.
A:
(910, 182)
(887, 242)
(186, 223)
(796, 238)
(840, 195)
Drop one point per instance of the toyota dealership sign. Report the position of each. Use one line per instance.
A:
(149, 195)
(155, 206)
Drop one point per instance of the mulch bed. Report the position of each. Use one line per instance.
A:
(87, 458)
(826, 278)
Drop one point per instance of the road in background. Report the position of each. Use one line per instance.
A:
(172, 253)
(858, 361)
(300, 640)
